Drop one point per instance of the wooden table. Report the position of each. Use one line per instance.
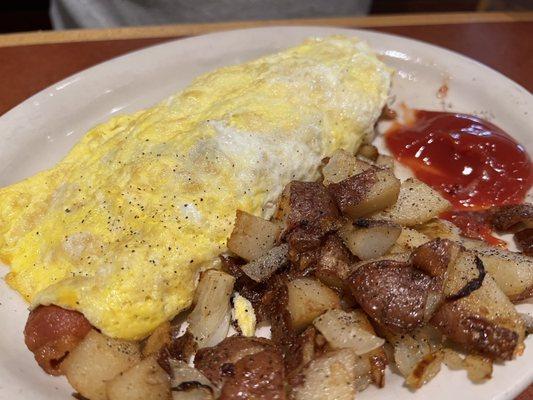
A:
(30, 62)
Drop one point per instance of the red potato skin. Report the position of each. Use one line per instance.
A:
(352, 190)
(258, 376)
(393, 294)
(51, 332)
(334, 262)
(244, 368)
(302, 351)
(509, 218)
(311, 205)
(213, 361)
(275, 306)
(311, 214)
(524, 241)
(475, 332)
(433, 257)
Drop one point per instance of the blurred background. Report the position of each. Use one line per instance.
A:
(31, 15)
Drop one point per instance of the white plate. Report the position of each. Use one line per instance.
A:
(38, 132)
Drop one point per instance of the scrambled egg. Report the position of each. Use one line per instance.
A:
(244, 315)
(119, 229)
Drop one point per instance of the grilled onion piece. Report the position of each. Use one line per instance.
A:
(425, 370)
(440, 229)
(330, 376)
(190, 384)
(263, 267)
(347, 330)
(210, 319)
(417, 355)
(478, 368)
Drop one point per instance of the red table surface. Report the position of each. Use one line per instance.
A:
(24, 70)
(504, 46)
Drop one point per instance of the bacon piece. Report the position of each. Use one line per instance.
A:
(51, 332)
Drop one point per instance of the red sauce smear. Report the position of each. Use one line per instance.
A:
(471, 162)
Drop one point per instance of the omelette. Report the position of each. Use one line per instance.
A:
(119, 229)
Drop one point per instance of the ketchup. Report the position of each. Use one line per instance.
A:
(471, 162)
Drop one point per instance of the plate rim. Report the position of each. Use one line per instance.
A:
(516, 389)
(98, 65)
